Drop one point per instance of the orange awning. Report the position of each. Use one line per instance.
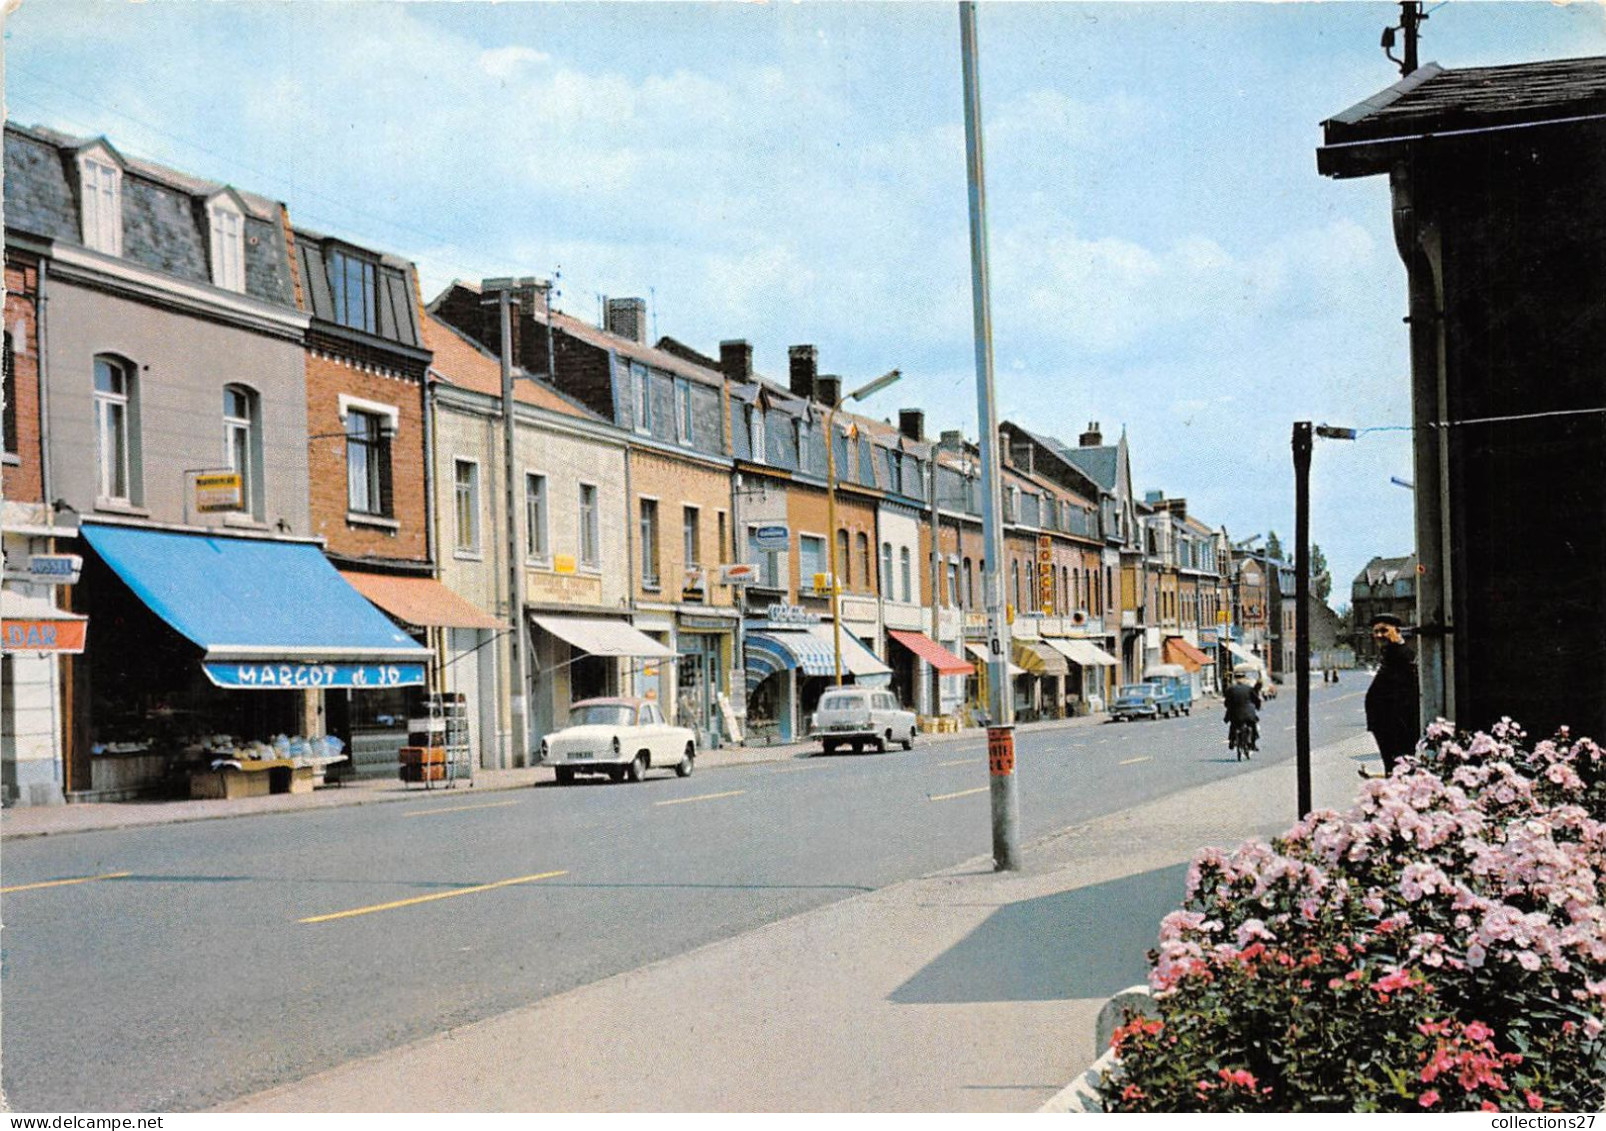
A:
(933, 653)
(1179, 651)
(419, 601)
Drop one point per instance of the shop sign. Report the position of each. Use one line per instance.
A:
(1045, 573)
(44, 635)
(782, 613)
(770, 538)
(823, 584)
(562, 563)
(692, 580)
(277, 677)
(54, 569)
(219, 491)
(739, 573)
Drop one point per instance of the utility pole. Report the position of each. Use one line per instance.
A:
(1001, 733)
(517, 660)
(1302, 446)
(1411, 19)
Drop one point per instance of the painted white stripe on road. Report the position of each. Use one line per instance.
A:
(703, 797)
(1135, 761)
(961, 793)
(963, 762)
(459, 809)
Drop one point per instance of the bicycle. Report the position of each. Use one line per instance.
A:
(1241, 738)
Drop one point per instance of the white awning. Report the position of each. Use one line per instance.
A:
(980, 653)
(1083, 652)
(856, 658)
(604, 637)
(1245, 655)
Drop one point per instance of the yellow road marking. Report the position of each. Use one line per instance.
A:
(459, 808)
(963, 762)
(64, 883)
(391, 906)
(704, 797)
(1135, 761)
(961, 793)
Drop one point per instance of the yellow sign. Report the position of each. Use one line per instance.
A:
(823, 583)
(1221, 616)
(219, 491)
(562, 563)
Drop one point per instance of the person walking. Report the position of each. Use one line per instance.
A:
(1393, 702)
(1241, 703)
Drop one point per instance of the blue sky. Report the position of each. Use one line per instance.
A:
(1165, 257)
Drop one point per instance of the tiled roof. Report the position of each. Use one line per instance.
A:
(1437, 100)
(459, 361)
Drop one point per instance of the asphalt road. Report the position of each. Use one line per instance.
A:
(214, 959)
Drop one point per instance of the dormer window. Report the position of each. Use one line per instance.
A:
(101, 201)
(227, 226)
(352, 287)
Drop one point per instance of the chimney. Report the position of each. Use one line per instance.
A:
(1092, 438)
(953, 440)
(736, 361)
(912, 423)
(805, 367)
(828, 390)
(627, 318)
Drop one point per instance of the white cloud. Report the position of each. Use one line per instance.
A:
(505, 62)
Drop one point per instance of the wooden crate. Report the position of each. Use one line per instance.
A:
(423, 755)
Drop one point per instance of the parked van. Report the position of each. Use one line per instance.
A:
(1175, 685)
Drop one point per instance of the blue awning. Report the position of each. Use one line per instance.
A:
(266, 614)
(778, 651)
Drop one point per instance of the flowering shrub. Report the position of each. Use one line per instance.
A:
(1441, 946)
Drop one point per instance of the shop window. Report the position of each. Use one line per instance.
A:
(649, 544)
(368, 480)
(535, 517)
(352, 286)
(590, 533)
(116, 430)
(242, 444)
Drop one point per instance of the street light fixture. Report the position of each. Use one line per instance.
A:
(891, 377)
(1302, 442)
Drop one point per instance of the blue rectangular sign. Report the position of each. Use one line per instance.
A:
(258, 676)
(769, 538)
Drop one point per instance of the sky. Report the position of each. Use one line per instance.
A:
(1164, 257)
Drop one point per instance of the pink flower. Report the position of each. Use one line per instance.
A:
(1534, 1102)
(1428, 1098)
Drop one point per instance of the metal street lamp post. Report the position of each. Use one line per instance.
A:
(889, 378)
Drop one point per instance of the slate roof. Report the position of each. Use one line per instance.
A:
(1101, 464)
(396, 303)
(1386, 571)
(465, 363)
(165, 226)
(1436, 101)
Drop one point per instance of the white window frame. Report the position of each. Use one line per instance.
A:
(886, 571)
(823, 559)
(650, 537)
(248, 427)
(755, 434)
(691, 533)
(121, 406)
(904, 573)
(537, 518)
(589, 526)
(683, 421)
(466, 543)
(226, 223)
(641, 384)
(100, 181)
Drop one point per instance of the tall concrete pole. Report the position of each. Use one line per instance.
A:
(830, 538)
(1001, 734)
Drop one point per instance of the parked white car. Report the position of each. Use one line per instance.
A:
(860, 717)
(623, 738)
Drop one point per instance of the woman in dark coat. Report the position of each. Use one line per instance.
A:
(1393, 702)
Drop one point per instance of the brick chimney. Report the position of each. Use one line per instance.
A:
(912, 423)
(1092, 438)
(627, 317)
(953, 440)
(828, 390)
(736, 361)
(805, 368)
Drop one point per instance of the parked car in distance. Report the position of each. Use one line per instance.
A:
(619, 737)
(860, 717)
(1137, 701)
(1177, 688)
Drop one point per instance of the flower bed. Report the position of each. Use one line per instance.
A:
(1441, 946)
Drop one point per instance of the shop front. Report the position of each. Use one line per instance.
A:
(704, 644)
(575, 658)
(1193, 660)
(976, 686)
(791, 659)
(34, 633)
(932, 661)
(1039, 690)
(1087, 681)
(214, 655)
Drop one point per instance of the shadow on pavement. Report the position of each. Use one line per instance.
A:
(1088, 943)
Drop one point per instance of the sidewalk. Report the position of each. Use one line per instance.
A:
(964, 991)
(47, 820)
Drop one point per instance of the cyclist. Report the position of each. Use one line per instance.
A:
(1242, 708)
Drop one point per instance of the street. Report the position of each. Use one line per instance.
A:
(201, 962)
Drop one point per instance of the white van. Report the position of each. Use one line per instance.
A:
(862, 716)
